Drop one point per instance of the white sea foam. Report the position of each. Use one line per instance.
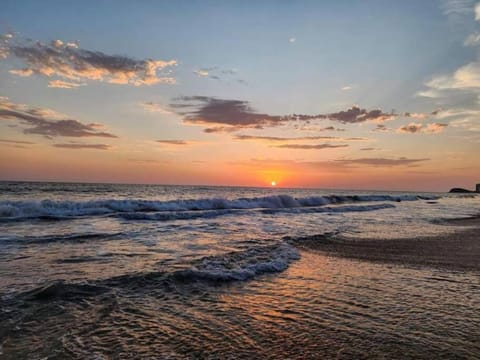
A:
(17, 210)
(242, 265)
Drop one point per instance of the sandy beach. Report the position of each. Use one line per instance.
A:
(458, 251)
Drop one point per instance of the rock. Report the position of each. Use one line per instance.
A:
(460, 190)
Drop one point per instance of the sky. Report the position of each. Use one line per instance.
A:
(321, 94)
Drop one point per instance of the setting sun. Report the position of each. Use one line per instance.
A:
(274, 183)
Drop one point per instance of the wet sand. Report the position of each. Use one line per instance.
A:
(458, 251)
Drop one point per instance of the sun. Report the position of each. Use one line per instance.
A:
(274, 183)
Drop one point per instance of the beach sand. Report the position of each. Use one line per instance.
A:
(459, 251)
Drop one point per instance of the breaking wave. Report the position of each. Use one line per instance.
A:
(233, 266)
(178, 209)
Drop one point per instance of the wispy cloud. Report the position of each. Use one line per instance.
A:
(311, 147)
(60, 84)
(152, 106)
(18, 142)
(217, 73)
(457, 7)
(466, 79)
(201, 72)
(83, 146)
(416, 128)
(472, 39)
(297, 138)
(339, 165)
(47, 122)
(381, 162)
(68, 61)
(173, 142)
(381, 127)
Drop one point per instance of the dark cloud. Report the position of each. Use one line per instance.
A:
(47, 122)
(237, 113)
(69, 61)
(411, 128)
(312, 147)
(232, 115)
(172, 142)
(381, 162)
(357, 115)
(83, 146)
(367, 149)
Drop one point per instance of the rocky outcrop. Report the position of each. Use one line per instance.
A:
(460, 190)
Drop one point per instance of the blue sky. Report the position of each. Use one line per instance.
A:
(414, 61)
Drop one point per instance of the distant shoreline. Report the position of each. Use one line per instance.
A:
(457, 251)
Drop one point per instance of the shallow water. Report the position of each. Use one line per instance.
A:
(126, 271)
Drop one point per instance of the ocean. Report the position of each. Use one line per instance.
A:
(107, 271)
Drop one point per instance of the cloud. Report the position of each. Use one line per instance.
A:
(22, 72)
(155, 107)
(222, 129)
(292, 40)
(47, 122)
(381, 162)
(419, 116)
(357, 115)
(368, 149)
(347, 87)
(435, 128)
(410, 128)
(316, 128)
(416, 128)
(216, 73)
(233, 115)
(83, 146)
(465, 78)
(298, 138)
(335, 166)
(70, 62)
(472, 39)
(172, 142)
(311, 147)
(201, 72)
(64, 84)
(381, 127)
(457, 7)
(16, 142)
(477, 11)
(237, 113)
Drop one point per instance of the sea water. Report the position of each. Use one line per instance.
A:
(150, 271)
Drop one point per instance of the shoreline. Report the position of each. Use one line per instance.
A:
(457, 251)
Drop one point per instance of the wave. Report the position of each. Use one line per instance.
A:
(57, 210)
(242, 265)
(234, 266)
(47, 239)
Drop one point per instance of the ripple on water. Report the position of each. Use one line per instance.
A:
(320, 306)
